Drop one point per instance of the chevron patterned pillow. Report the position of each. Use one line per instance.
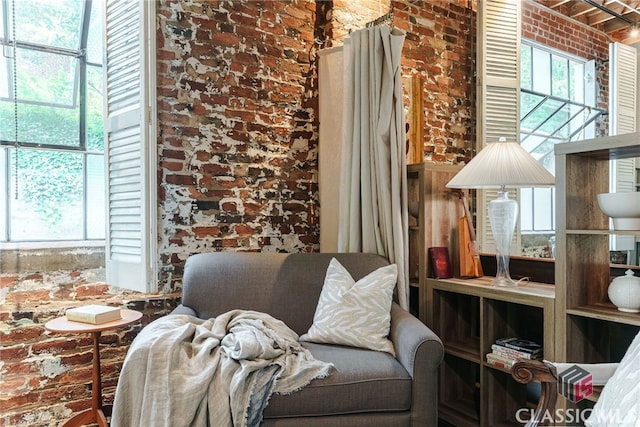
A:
(356, 314)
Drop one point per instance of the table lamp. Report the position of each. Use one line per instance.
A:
(500, 165)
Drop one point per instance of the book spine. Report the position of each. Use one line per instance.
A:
(499, 364)
(509, 352)
(501, 358)
(522, 349)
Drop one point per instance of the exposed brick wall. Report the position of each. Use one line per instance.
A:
(237, 91)
(439, 47)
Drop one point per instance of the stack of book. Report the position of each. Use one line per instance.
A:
(506, 351)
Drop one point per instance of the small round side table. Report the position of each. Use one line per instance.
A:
(94, 414)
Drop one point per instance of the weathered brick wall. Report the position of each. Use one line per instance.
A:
(237, 97)
(439, 47)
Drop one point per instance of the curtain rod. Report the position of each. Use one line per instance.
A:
(387, 17)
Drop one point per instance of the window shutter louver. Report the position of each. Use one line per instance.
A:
(498, 88)
(623, 78)
(129, 134)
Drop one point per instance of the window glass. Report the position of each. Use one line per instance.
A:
(49, 201)
(42, 124)
(528, 102)
(577, 81)
(560, 77)
(526, 209)
(3, 200)
(7, 123)
(525, 67)
(5, 84)
(95, 195)
(95, 137)
(543, 209)
(46, 77)
(541, 77)
(541, 118)
(94, 37)
(51, 23)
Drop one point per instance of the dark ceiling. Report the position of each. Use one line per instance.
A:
(617, 18)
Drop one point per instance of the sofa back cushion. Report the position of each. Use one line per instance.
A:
(286, 286)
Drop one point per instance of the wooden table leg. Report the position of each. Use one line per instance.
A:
(94, 414)
(96, 387)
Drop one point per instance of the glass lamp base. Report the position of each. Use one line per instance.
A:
(502, 215)
(503, 282)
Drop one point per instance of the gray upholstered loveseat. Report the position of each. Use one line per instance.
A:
(367, 388)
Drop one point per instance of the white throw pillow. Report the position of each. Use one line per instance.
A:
(356, 314)
(619, 403)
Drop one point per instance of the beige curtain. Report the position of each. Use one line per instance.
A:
(373, 189)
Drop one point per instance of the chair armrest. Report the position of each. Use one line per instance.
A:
(183, 309)
(525, 371)
(415, 344)
(420, 352)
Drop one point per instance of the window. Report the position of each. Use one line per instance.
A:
(557, 105)
(51, 125)
(71, 133)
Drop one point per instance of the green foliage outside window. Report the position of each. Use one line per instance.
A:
(51, 178)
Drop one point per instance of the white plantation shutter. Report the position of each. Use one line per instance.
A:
(623, 106)
(498, 88)
(130, 135)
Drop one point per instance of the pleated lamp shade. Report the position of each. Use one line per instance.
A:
(502, 164)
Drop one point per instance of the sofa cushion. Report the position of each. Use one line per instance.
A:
(362, 381)
(354, 313)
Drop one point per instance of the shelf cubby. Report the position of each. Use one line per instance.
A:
(460, 394)
(507, 319)
(598, 341)
(505, 398)
(457, 321)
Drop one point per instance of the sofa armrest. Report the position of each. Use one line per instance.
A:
(415, 344)
(420, 351)
(183, 309)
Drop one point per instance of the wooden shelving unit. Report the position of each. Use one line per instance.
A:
(574, 319)
(589, 329)
(435, 224)
(469, 315)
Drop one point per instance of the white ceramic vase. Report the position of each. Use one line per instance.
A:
(624, 292)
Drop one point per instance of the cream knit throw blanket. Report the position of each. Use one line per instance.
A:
(185, 371)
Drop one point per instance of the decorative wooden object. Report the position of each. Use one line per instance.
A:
(526, 371)
(415, 120)
(470, 265)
